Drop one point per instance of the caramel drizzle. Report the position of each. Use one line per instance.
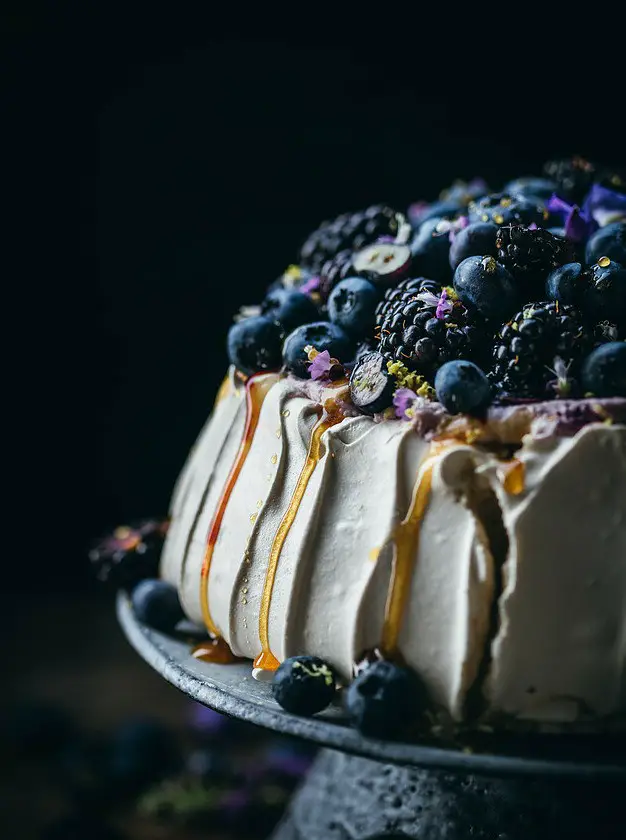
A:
(266, 659)
(257, 388)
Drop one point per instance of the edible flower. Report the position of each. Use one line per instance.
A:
(443, 304)
(579, 224)
(457, 226)
(322, 365)
(310, 286)
(604, 204)
(563, 384)
(403, 402)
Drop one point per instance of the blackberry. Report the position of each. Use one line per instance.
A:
(531, 254)
(410, 330)
(573, 176)
(349, 231)
(527, 348)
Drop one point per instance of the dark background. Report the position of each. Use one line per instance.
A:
(165, 170)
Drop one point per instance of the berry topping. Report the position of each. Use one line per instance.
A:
(322, 335)
(352, 304)
(383, 700)
(609, 241)
(254, 344)
(528, 345)
(462, 388)
(156, 604)
(505, 209)
(606, 292)
(371, 385)
(289, 308)
(567, 283)
(423, 325)
(383, 262)
(431, 250)
(478, 239)
(349, 231)
(486, 285)
(530, 254)
(534, 188)
(573, 177)
(130, 554)
(304, 685)
(604, 370)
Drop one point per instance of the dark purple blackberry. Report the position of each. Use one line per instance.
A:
(349, 231)
(422, 325)
(574, 177)
(542, 338)
(130, 554)
(531, 254)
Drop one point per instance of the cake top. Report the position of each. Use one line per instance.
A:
(472, 304)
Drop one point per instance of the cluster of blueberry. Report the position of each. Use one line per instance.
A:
(522, 291)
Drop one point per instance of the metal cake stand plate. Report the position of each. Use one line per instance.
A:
(549, 786)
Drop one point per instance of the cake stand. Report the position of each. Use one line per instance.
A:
(529, 788)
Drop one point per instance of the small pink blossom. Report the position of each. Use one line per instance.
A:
(403, 401)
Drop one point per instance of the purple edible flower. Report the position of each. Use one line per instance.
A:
(312, 285)
(602, 201)
(320, 367)
(444, 305)
(579, 224)
(533, 226)
(417, 210)
(403, 400)
(457, 226)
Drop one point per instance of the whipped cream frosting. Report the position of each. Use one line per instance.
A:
(517, 599)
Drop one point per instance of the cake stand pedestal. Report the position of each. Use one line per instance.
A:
(363, 789)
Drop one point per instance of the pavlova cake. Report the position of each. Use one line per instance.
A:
(413, 481)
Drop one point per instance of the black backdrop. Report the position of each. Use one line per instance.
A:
(165, 171)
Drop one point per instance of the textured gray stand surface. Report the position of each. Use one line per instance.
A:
(364, 789)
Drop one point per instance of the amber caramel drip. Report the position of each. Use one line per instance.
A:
(214, 650)
(405, 542)
(256, 391)
(512, 474)
(266, 659)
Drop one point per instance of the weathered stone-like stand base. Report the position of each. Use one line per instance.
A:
(351, 798)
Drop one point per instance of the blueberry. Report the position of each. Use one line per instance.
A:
(567, 283)
(352, 304)
(462, 388)
(323, 335)
(304, 685)
(609, 241)
(371, 386)
(504, 209)
(485, 285)
(383, 700)
(606, 294)
(604, 370)
(447, 209)
(477, 239)
(538, 188)
(254, 345)
(430, 248)
(289, 308)
(557, 231)
(141, 751)
(156, 604)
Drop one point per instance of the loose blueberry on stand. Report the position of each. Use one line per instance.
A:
(352, 304)
(609, 241)
(485, 285)
(605, 295)
(156, 604)
(323, 335)
(477, 239)
(304, 685)
(289, 308)
(462, 388)
(604, 370)
(383, 700)
(567, 283)
(254, 345)
(371, 386)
